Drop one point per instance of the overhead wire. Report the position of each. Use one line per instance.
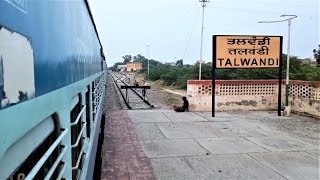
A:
(187, 12)
(183, 17)
(190, 36)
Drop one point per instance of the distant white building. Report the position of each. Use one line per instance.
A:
(122, 68)
(170, 63)
(198, 61)
(308, 60)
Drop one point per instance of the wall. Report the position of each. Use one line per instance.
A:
(239, 95)
(304, 97)
(134, 66)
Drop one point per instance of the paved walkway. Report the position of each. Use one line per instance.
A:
(123, 157)
(196, 146)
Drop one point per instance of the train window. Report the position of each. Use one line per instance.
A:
(92, 96)
(53, 131)
(88, 111)
(77, 139)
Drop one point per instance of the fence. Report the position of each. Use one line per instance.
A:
(304, 96)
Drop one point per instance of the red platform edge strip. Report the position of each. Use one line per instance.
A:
(271, 81)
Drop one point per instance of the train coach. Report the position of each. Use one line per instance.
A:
(52, 87)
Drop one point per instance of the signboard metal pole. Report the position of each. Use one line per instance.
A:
(213, 86)
(213, 91)
(280, 78)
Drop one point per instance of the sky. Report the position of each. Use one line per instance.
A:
(172, 28)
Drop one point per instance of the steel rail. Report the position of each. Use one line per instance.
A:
(128, 105)
(147, 102)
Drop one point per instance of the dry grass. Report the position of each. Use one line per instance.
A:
(171, 99)
(157, 95)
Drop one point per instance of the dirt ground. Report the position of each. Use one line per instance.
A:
(112, 102)
(159, 96)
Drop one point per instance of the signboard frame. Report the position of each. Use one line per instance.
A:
(214, 67)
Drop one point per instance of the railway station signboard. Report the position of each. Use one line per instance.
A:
(246, 52)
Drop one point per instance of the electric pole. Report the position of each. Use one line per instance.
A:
(148, 46)
(202, 27)
(290, 17)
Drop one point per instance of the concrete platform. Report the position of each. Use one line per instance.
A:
(233, 129)
(291, 165)
(184, 117)
(146, 116)
(185, 130)
(148, 131)
(282, 143)
(173, 168)
(232, 166)
(314, 153)
(230, 146)
(172, 148)
(219, 116)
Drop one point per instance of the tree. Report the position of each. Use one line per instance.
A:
(127, 59)
(115, 66)
(179, 62)
(316, 54)
(139, 58)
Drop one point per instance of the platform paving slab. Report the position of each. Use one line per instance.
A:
(282, 143)
(232, 129)
(219, 116)
(145, 116)
(231, 166)
(148, 131)
(258, 127)
(256, 115)
(183, 117)
(185, 130)
(175, 168)
(292, 165)
(229, 145)
(172, 148)
(315, 153)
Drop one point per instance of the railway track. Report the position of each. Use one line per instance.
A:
(133, 97)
